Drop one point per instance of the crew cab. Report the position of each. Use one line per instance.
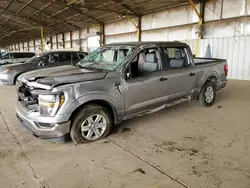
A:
(114, 83)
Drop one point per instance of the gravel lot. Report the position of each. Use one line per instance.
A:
(183, 146)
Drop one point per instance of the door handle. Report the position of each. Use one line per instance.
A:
(192, 74)
(163, 79)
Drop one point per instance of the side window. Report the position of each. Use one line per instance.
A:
(146, 62)
(82, 55)
(64, 57)
(7, 56)
(75, 57)
(28, 55)
(17, 55)
(176, 57)
(50, 58)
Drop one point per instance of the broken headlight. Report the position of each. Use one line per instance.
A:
(50, 104)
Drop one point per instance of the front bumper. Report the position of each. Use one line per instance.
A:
(57, 128)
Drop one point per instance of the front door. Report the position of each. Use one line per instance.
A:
(144, 85)
(180, 71)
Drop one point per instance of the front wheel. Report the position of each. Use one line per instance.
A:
(208, 94)
(92, 123)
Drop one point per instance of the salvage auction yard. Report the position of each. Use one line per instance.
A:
(182, 146)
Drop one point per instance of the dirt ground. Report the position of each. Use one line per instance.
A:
(182, 146)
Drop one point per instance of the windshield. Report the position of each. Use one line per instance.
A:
(34, 59)
(106, 58)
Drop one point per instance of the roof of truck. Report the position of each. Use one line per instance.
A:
(146, 43)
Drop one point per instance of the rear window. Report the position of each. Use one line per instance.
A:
(176, 57)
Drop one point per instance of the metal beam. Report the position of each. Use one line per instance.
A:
(5, 8)
(195, 9)
(18, 16)
(40, 21)
(106, 10)
(124, 6)
(24, 6)
(39, 10)
(16, 22)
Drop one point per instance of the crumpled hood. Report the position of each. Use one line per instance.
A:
(62, 75)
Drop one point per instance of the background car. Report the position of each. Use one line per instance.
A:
(9, 73)
(16, 57)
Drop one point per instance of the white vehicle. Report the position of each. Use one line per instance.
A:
(16, 57)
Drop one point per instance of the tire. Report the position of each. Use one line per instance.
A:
(85, 125)
(208, 94)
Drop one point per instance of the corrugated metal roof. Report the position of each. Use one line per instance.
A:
(21, 19)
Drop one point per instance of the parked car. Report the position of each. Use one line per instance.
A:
(16, 57)
(9, 73)
(114, 83)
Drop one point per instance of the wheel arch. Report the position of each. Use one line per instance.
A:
(16, 76)
(213, 78)
(100, 102)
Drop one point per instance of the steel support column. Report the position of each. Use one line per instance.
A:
(51, 42)
(34, 43)
(71, 39)
(63, 40)
(102, 34)
(42, 40)
(57, 42)
(201, 18)
(137, 26)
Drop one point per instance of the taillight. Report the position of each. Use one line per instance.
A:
(226, 69)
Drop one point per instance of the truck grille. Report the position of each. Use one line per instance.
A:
(24, 95)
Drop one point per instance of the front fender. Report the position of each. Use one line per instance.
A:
(116, 104)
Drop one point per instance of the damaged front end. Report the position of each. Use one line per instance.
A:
(37, 108)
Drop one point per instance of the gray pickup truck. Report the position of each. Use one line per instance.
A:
(114, 83)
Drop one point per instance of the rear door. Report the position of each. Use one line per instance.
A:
(180, 72)
(65, 58)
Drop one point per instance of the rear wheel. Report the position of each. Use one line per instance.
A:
(208, 94)
(92, 123)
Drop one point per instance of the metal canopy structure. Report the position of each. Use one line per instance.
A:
(20, 20)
